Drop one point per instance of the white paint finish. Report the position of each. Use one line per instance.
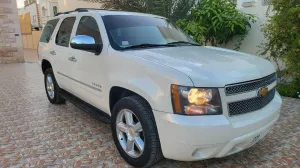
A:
(149, 79)
(209, 66)
(151, 72)
(189, 133)
(96, 74)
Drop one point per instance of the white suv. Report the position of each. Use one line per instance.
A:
(164, 95)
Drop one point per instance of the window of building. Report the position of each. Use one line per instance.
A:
(88, 26)
(34, 19)
(64, 33)
(48, 30)
(44, 11)
(54, 10)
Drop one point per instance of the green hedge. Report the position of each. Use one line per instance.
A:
(288, 90)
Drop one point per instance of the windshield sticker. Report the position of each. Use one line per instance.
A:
(125, 43)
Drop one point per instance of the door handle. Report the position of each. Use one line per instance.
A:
(52, 52)
(72, 59)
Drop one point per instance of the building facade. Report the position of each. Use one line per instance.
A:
(48, 9)
(31, 7)
(255, 35)
(11, 50)
(69, 5)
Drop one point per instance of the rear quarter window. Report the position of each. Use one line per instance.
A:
(48, 30)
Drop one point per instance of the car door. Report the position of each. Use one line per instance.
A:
(63, 60)
(89, 69)
(45, 46)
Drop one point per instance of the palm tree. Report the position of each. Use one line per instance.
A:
(172, 9)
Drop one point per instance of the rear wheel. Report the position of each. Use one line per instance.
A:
(51, 87)
(135, 133)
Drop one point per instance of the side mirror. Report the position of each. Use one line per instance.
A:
(86, 43)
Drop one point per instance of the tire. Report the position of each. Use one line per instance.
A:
(143, 113)
(55, 98)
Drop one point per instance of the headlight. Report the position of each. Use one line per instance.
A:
(196, 101)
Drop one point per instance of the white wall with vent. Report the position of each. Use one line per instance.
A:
(255, 36)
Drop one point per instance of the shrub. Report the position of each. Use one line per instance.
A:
(282, 33)
(216, 22)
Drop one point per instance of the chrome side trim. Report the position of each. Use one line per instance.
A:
(99, 90)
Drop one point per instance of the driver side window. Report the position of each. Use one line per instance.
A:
(89, 27)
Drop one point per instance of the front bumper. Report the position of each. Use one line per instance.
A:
(190, 138)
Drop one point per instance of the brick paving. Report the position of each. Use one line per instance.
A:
(35, 133)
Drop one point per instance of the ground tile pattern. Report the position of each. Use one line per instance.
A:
(35, 133)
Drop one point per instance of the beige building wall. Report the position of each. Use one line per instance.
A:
(69, 5)
(255, 35)
(11, 50)
(47, 10)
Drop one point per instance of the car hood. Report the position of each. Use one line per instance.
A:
(209, 66)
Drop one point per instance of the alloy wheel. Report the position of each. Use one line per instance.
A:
(130, 133)
(50, 86)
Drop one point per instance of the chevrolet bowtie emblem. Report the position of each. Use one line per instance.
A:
(262, 92)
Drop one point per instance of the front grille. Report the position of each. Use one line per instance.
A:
(251, 85)
(249, 105)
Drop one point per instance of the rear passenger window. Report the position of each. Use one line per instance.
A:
(88, 26)
(48, 30)
(64, 33)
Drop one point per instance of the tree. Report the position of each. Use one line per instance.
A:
(282, 33)
(172, 9)
(216, 22)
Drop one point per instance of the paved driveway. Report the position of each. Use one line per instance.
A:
(34, 133)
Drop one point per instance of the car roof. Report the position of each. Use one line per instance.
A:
(103, 12)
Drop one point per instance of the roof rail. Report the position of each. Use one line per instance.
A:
(87, 9)
(82, 10)
(62, 13)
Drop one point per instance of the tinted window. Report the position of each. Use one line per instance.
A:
(129, 30)
(48, 30)
(64, 32)
(88, 26)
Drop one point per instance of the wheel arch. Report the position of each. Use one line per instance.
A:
(45, 65)
(116, 93)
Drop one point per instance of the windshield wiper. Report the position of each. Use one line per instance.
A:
(183, 42)
(148, 46)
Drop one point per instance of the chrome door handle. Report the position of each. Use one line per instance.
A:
(72, 59)
(52, 52)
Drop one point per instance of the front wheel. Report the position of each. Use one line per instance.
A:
(52, 88)
(135, 133)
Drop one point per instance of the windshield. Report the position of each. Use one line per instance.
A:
(130, 30)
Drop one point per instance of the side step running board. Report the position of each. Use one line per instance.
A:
(93, 111)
